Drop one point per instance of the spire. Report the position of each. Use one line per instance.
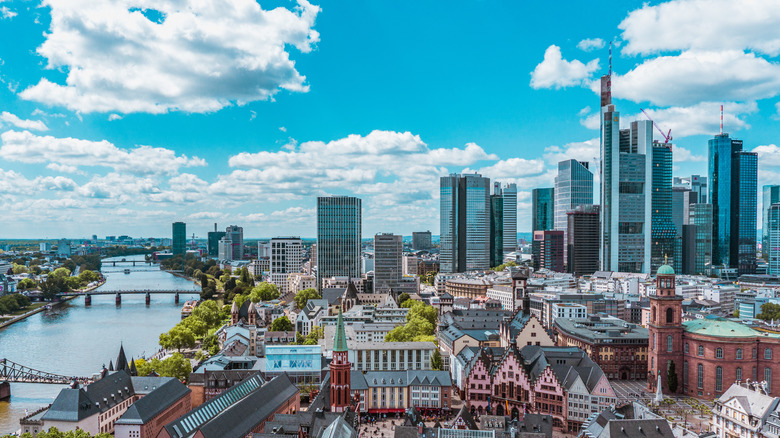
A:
(110, 365)
(234, 309)
(133, 369)
(340, 340)
(121, 359)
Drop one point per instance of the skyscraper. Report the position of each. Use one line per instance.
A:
(421, 240)
(236, 236)
(663, 230)
(286, 257)
(509, 196)
(542, 217)
(626, 157)
(339, 227)
(573, 187)
(773, 238)
(496, 229)
(771, 196)
(212, 245)
(465, 223)
(695, 183)
(179, 245)
(701, 218)
(582, 236)
(733, 175)
(388, 270)
(550, 249)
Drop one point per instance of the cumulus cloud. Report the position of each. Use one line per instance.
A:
(26, 147)
(112, 117)
(699, 119)
(556, 72)
(681, 154)
(590, 44)
(587, 150)
(768, 155)
(14, 120)
(6, 12)
(160, 56)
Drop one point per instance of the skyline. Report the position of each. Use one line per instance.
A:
(387, 110)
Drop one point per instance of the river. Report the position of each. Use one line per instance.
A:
(79, 340)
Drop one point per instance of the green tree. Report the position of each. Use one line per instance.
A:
(299, 339)
(246, 278)
(769, 311)
(314, 336)
(72, 283)
(436, 361)
(19, 269)
(281, 324)
(178, 337)
(303, 297)
(264, 292)
(52, 286)
(175, 365)
(671, 377)
(61, 272)
(26, 284)
(86, 276)
(402, 299)
(208, 312)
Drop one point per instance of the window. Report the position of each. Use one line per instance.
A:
(754, 352)
(654, 341)
(669, 343)
(701, 350)
(739, 373)
(739, 355)
(669, 315)
(719, 353)
(700, 376)
(718, 379)
(686, 348)
(768, 353)
(685, 373)
(768, 377)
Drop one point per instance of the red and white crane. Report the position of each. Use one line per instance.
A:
(667, 137)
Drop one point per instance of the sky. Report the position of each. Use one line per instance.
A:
(122, 116)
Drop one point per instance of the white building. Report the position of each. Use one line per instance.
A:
(225, 249)
(724, 295)
(286, 257)
(569, 311)
(742, 411)
(410, 262)
(44, 247)
(259, 267)
(503, 294)
(298, 281)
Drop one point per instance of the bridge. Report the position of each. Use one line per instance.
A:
(12, 372)
(119, 293)
(117, 271)
(126, 262)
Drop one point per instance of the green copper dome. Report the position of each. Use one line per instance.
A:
(665, 270)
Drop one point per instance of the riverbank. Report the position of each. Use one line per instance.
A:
(41, 306)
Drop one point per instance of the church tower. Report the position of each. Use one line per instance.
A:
(340, 370)
(666, 332)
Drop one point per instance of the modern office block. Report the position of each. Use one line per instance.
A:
(388, 269)
(573, 187)
(465, 223)
(212, 243)
(339, 225)
(687, 253)
(496, 230)
(509, 196)
(179, 245)
(695, 183)
(582, 240)
(236, 236)
(773, 238)
(771, 195)
(225, 249)
(663, 231)
(550, 249)
(421, 240)
(542, 217)
(701, 217)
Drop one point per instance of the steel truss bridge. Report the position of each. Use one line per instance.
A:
(13, 372)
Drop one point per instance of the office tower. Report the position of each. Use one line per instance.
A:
(509, 196)
(687, 253)
(339, 226)
(388, 269)
(496, 229)
(465, 223)
(573, 187)
(582, 240)
(225, 249)
(179, 238)
(626, 157)
(236, 236)
(212, 244)
(663, 231)
(701, 217)
(771, 195)
(542, 217)
(550, 249)
(421, 240)
(695, 183)
(733, 175)
(773, 237)
(286, 257)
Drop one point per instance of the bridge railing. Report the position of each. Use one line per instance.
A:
(13, 372)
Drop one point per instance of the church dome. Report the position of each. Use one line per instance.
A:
(665, 270)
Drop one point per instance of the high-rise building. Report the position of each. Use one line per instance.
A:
(212, 245)
(686, 257)
(733, 174)
(388, 266)
(573, 187)
(773, 238)
(582, 240)
(421, 240)
(496, 229)
(695, 183)
(626, 157)
(225, 249)
(179, 238)
(286, 257)
(664, 234)
(236, 236)
(542, 217)
(339, 227)
(465, 223)
(550, 249)
(509, 196)
(701, 218)
(771, 195)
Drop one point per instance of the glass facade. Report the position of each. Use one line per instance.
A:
(701, 218)
(509, 195)
(542, 217)
(664, 232)
(772, 231)
(339, 224)
(388, 249)
(465, 223)
(496, 230)
(303, 363)
(746, 212)
(573, 187)
(771, 195)
(179, 241)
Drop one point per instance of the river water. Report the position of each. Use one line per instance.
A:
(79, 340)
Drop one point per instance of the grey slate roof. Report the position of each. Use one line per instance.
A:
(71, 405)
(153, 404)
(332, 294)
(656, 428)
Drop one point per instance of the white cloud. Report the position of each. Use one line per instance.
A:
(26, 147)
(13, 119)
(581, 151)
(283, 129)
(7, 13)
(112, 117)
(768, 155)
(681, 154)
(513, 168)
(585, 111)
(590, 44)
(703, 25)
(13, 183)
(556, 72)
(699, 119)
(186, 56)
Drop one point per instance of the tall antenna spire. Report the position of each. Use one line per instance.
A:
(721, 119)
(610, 59)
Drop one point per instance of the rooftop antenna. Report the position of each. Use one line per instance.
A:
(610, 60)
(721, 119)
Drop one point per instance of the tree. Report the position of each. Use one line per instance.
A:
(53, 432)
(281, 324)
(230, 284)
(178, 337)
(436, 361)
(86, 276)
(303, 297)
(27, 284)
(19, 269)
(769, 311)
(314, 336)
(245, 278)
(52, 286)
(208, 312)
(174, 366)
(402, 299)
(61, 272)
(671, 377)
(264, 292)
(736, 313)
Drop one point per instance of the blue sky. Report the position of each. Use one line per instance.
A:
(119, 117)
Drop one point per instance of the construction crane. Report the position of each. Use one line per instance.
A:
(193, 244)
(667, 137)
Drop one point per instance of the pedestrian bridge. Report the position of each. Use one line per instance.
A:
(17, 373)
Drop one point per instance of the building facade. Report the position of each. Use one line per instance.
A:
(421, 240)
(339, 225)
(550, 244)
(772, 233)
(573, 187)
(663, 230)
(496, 228)
(236, 236)
(582, 240)
(770, 195)
(179, 241)
(286, 258)
(465, 223)
(388, 269)
(701, 218)
(509, 197)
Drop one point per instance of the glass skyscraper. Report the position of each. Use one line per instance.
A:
(700, 216)
(465, 223)
(339, 226)
(664, 232)
(179, 241)
(509, 196)
(772, 233)
(573, 187)
(388, 249)
(542, 217)
(496, 230)
(771, 195)
(733, 192)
